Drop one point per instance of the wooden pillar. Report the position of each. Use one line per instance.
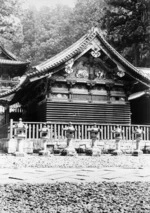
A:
(7, 114)
(70, 85)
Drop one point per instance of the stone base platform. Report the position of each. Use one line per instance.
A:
(44, 153)
(137, 153)
(117, 152)
(69, 151)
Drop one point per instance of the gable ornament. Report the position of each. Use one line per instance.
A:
(95, 52)
(69, 66)
(120, 72)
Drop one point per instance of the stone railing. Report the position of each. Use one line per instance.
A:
(82, 133)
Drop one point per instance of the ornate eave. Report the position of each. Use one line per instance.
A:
(131, 70)
(4, 101)
(145, 70)
(83, 45)
(10, 59)
(14, 89)
(60, 58)
(14, 67)
(75, 51)
(8, 54)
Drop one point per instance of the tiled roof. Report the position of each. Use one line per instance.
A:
(80, 45)
(10, 55)
(145, 70)
(124, 61)
(77, 48)
(11, 58)
(61, 57)
(7, 98)
(11, 62)
(14, 89)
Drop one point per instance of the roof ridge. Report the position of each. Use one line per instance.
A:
(15, 62)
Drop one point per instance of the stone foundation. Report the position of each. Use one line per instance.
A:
(35, 145)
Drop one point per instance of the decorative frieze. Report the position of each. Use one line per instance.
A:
(79, 89)
(82, 74)
(59, 96)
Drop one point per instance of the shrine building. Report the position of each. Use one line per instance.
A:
(11, 72)
(89, 82)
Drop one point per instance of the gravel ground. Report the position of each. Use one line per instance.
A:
(124, 161)
(129, 197)
(103, 197)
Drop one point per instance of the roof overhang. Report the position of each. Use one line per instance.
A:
(54, 64)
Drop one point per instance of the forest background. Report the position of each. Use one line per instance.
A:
(37, 35)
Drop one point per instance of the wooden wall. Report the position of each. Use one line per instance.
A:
(140, 108)
(41, 112)
(88, 112)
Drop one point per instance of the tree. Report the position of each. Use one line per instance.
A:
(44, 33)
(127, 23)
(50, 30)
(10, 25)
(86, 14)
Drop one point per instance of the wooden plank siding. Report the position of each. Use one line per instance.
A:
(87, 112)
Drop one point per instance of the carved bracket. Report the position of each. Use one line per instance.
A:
(71, 82)
(91, 83)
(68, 66)
(109, 86)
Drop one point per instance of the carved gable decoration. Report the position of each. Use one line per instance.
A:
(82, 69)
(69, 66)
(92, 66)
(85, 68)
(95, 52)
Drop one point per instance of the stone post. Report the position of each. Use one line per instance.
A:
(138, 136)
(118, 136)
(69, 150)
(94, 150)
(45, 135)
(20, 135)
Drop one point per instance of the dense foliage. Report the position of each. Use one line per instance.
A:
(50, 30)
(10, 23)
(128, 29)
(37, 35)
